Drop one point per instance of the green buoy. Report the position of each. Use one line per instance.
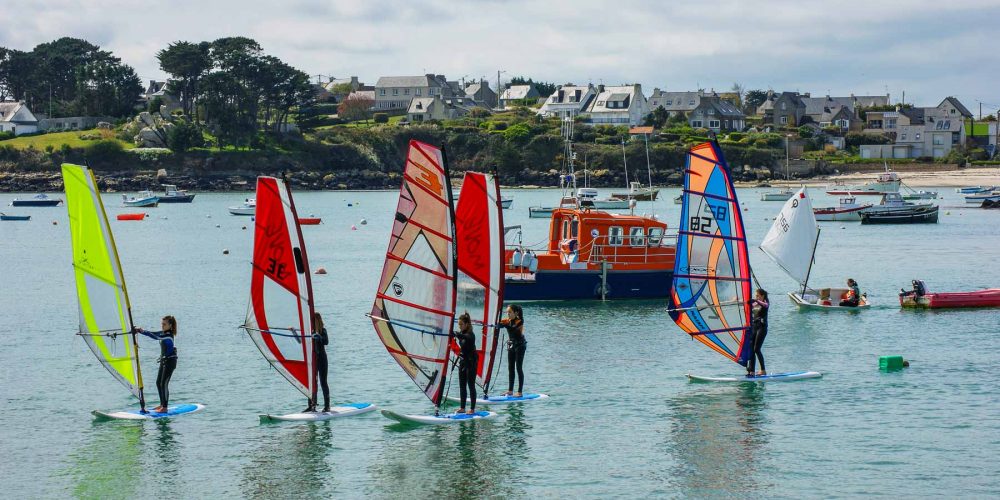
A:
(891, 363)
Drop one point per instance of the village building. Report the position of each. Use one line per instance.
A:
(618, 105)
(717, 115)
(16, 118)
(568, 101)
(481, 93)
(675, 103)
(422, 109)
(395, 92)
(517, 93)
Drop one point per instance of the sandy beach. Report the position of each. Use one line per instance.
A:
(913, 176)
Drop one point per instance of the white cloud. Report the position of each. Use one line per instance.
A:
(929, 48)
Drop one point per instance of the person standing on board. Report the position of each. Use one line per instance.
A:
(468, 361)
(759, 307)
(516, 345)
(320, 341)
(168, 358)
(853, 298)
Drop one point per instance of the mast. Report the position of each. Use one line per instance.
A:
(309, 292)
(628, 186)
(812, 259)
(649, 172)
(454, 267)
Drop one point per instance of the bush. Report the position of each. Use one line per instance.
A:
(381, 118)
(805, 132)
(517, 133)
(855, 139)
(6, 135)
(185, 135)
(736, 136)
(104, 151)
(499, 126)
(154, 105)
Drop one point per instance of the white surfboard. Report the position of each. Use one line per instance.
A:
(505, 400)
(345, 410)
(444, 418)
(172, 411)
(775, 377)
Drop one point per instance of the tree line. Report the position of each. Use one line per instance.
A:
(69, 77)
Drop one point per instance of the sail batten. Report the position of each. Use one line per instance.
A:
(414, 306)
(104, 307)
(279, 316)
(711, 280)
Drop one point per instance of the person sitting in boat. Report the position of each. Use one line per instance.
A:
(516, 346)
(320, 341)
(919, 289)
(853, 298)
(759, 307)
(168, 358)
(468, 361)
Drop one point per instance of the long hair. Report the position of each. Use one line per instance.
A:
(464, 318)
(851, 282)
(763, 293)
(173, 324)
(318, 322)
(517, 311)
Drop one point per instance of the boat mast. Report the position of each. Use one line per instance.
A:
(649, 172)
(812, 258)
(628, 186)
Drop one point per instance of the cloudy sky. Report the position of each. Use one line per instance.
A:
(927, 48)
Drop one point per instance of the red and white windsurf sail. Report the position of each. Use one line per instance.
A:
(279, 318)
(414, 308)
(479, 229)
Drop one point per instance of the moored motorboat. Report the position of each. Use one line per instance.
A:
(886, 182)
(974, 189)
(540, 212)
(920, 297)
(589, 197)
(638, 192)
(782, 195)
(249, 207)
(310, 221)
(4, 216)
(894, 210)
(990, 204)
(979, 198)
(41, 200)
(848, 210)
(145, 199)
(506, 203)
(920, 195)
(173, 195)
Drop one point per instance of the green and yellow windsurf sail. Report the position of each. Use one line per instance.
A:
(105, 316)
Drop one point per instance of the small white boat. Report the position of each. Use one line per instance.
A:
(588, 197)
(249, 207)
(783, 195)
(974, 189)
(826, 299)
(173, 195)
(979, 198)
(886, 182)
(506, 203)
(638, 192)
(145, 199)
(920, 195)
(540, 212)
(849, 210)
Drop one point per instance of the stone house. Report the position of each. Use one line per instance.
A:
(518, 93)
(568, 101)
(717, 115)
(161, 90)
(618, 105)
(481, 93)
(395, 92)
(675, 102)
(15, 117)
(422, 109)
(782, 110)
(934, 137)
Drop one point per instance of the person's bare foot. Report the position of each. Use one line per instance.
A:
(508, 393)
(460, 411)
(159, 409)
(761, 374)
(470, 412)
(517, 394)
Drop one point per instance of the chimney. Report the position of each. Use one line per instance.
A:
(562, 94)
(600, 88)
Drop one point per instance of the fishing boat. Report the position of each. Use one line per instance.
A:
(636, 191)
(894, 210)
(920, 297)
(105, 311)
(979, 198)
(414, 309)
(173, 195)
(279, 316)
(710, 297)
(506, 203)
(4, 216)
(145, 199)
(847, 210)
(593, 254)
(249, 207)
(589, 197)
(540, 212)
(886, 182)
(782, 195)
(41, 200)
(791, 243)
(974, 189)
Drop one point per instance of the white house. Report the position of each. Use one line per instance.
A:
(568, 101)
(518, 93)
(618, 105)
(17, 118)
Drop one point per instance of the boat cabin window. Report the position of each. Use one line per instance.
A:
(615, 235)
(655, 235)
(565, 229)
(574, 228)
(637, 235)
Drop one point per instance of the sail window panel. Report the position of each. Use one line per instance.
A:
(281, 311)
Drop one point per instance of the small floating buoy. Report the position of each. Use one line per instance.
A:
(746, 209)
(892, 363)
(244, 228)
(350, 205)
(363, 222)
(208, 216)
(947, 213)
(321, 270)
(353, 227)
(55, 223)
(163, 217)
(218, 225)
(225, 251)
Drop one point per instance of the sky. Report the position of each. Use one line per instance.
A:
(927, 49)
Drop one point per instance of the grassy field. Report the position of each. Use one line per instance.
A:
(57, 139)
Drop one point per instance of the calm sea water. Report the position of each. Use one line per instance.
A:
(622, 421)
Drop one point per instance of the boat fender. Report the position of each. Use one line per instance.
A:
(533, 262)
(515, 258)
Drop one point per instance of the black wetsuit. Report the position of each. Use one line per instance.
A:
(168, 362)
(516, 346)
(855, 298)
(320, 341)
(468, 361)
(759, 333)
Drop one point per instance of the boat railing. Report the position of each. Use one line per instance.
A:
(601, 249)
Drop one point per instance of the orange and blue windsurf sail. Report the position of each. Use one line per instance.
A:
(711, 285)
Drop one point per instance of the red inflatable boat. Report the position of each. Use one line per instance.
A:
(309, 221)
(131, 216)
(919, 297)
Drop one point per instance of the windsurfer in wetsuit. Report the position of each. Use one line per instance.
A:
(468, 361)
(320, 341)
(168, 358)
(516, 346)
(759, 307)
(853, 298)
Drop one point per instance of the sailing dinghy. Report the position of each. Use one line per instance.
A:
(791, 243)
(711, 292)
(480, 231)
(414, 309)
(105, 310)
(279, 316)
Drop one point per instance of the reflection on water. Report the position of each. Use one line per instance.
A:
(167, 464)
(291, 463)
(468, 460)
(108, 465)
(719, 440)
